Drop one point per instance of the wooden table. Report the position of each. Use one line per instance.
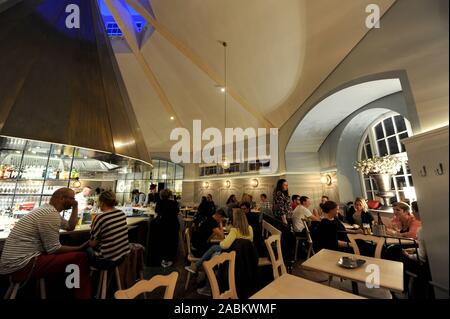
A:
(292, 287)
(390, 240)
(391, 272)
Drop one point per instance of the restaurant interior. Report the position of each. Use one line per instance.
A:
(256, 149)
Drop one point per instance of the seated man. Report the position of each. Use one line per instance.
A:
(302, 212)
(33, 246)
(211, 225)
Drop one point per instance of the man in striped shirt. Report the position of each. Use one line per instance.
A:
(33, 250)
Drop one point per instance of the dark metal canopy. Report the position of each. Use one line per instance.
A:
(63, 85)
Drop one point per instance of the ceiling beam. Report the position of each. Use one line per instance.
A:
(125, 22)
(195, 59)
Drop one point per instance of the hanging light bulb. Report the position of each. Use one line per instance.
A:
(225, 164)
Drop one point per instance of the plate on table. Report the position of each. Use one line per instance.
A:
(350, 262)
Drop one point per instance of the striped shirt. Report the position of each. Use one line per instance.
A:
(110, 230)
(34, 234)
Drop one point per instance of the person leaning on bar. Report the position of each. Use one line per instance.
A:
(33, 250)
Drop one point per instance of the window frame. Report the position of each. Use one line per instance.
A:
(370, 135)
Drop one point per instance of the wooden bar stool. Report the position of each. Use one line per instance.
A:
(17, 282)
(103, 284)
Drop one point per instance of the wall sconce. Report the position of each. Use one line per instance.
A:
(164, 176)
(326, 179)
(227, 184)
(254, 182)
(205, 184)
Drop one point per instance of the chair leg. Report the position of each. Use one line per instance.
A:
(100, 282)
(8, 292)
(187, 280)
(104, 285)
(42, 288)
(119, 285)
(309, 251)
(296, 248)
(14, 291)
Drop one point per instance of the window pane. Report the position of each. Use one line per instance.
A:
(402, 136)
(393, 146)
(367, 183)
(410, 181)
(369, 151)
(369, 196)
(374, 185)
(400, 123)
(379, 131)
(367, 141)
(382, 148)
(389, 126)
(400, 182)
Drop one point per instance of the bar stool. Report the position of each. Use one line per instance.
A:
(102, 287)
(17, 281)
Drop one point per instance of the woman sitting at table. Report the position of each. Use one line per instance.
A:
(360, 214)
(330, 231)
(404, 224)
(240, 229)
(109, 234)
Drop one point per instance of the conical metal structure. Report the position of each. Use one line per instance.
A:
(62, 84)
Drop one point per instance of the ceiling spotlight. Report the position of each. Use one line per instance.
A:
(222, 89)
(172, 118)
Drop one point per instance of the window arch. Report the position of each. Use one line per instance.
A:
(383, 137)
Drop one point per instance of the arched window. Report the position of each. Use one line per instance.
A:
(383, 137)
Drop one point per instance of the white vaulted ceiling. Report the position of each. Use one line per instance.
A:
(278, 54)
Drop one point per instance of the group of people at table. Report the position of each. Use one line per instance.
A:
(33, 249)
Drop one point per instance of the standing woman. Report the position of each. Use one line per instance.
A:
(282, 208)
(169, 227)
(109, 234)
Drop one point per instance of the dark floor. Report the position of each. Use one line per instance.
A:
(198, 281)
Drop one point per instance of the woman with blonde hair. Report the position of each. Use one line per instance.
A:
(239, 230)
(360, 214)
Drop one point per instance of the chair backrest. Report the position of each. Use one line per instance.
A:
(269, 230)
(209, 265)
(378, 240)
(277, 261)
(169, 281)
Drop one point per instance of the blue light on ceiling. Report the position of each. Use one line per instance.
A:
(111, 26)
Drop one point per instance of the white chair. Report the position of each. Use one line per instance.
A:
(144, 286)
(191, 258)
(209, 265)
(277, 261)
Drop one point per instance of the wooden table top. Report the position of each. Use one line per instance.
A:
(292, 287)
(391, 272)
